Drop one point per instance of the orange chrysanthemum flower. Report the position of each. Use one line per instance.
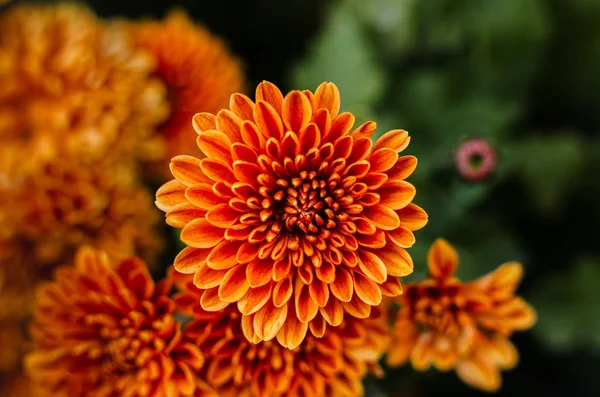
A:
(64, 205)
(294, 215)
(70, 84)
(449, 324)
(199, 71)
(104, 330)
(331, 366)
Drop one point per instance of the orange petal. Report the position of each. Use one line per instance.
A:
(502, 281)
(422, 353)
(282, 292)
(269, 320)
(391, 287)
(259, 273)
(247, 252)
(218, 170)
(333, 312)
(252, 136)
(290, 145)
(306, 308)
(442, 259)
(223, 216)
(396, 259)
(319, 292)
(215, 144)
(242, 106)
(322, 119)
(327, 96)
(234, 285)
(199, 233)
(268, 121)
(404, 167)
(292, 333)
(204, 121)
(397, 140)
(340, 126)
(248, 331)
(413, 217)
(182, 214)
(365, 130)
(170, 194)
(372, 266)
(309, 138)
(382, 216)
(229, 124)
(296, 111)
(382, 160)
(224, 255)
(342, 287)
(210, 301)
(367, 290)
(202, 196)
(357, 308)
(318, 326)
(396, 194)
(479, 373)
(255, 299)
(246, 172)
(326, 272)
(190, 259)
(269, 93)
(187, 170)
(207, 278)
(402, 237)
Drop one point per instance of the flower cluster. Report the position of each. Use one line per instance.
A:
(105, 329)
(450, 324)
(294, 215)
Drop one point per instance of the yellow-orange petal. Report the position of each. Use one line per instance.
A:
(184, 213)
(211, 302)
(190, 259)
(215, 144)
(282, 292)
(255, 299)
(342, 287)
(391, 287)
(269, 320)
(224, 255)
(296, 111)
(170, 194)
(442, 259)
(268, 92)
(356, 307)
(319, 292)
(268, 120)
(382, 216)
(404, 167)
(292, 333)
(204, 121)
(222, 215)
(234, 284)
(382, 160)
(203, 196)
(479, 373)
(367, 290)
(218, 171)
(306, 308)
(187, 170)
(397, 140)
(372, 266)
(340, 125)
(207, 278)
(229, 124)
(402, 237)
(396, 194)
(333, 312)
(413, 217)
(396, 259)
(327, 96)
(242, 106)
(259, 273)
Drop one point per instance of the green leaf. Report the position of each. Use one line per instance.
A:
(343, 55)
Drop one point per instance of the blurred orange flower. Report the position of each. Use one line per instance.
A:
(450, 324)
(331, 366)
(198, 69)
(72, 85)
(107, 330)
(294, 215)
(64, 205)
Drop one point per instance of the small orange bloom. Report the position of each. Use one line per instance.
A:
(294, 215)
(198, 69)
(331, 366)
(449, 324)
(107, 330)
(65, 205)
